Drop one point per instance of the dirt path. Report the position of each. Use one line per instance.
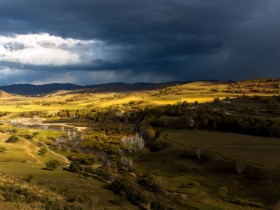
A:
(59, 155)
(67, 162)
(29, 151)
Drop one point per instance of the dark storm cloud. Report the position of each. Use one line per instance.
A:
(178, 39)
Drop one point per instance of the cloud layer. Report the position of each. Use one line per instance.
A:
(44, 49)
(98, 41)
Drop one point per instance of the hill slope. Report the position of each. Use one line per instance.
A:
(28, 89)
(4, 94)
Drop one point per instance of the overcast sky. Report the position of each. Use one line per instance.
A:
(101, 41)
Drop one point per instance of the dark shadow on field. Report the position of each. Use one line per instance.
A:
(255, 184)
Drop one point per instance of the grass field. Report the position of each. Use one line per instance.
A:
(62, 180)
(257, 150)
(196, 91)
(200, 182)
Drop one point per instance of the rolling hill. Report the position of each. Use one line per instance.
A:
(4, 94)
(256, 85)
(29, 89)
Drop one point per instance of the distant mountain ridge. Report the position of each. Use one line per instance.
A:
(29, 89)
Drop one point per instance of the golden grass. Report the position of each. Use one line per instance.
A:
(196, 91)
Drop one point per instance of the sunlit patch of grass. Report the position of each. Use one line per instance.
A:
(201, 92)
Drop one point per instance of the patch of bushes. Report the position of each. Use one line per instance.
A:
(83, 159)
(42, 151)
(151, 183)
(157, 146)
(125, 187)
(103, 174)
(12, 139)
(27, 136)
(35, 134)
(148, 133)
(16, 194)
(82, 202)
(75, 167)
(52, 165)
(3, 149)
(19, 195)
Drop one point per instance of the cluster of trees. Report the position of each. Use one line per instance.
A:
(215, 117)
(150, 113)
(259, 126)
(254, 119)
(106, 114)
(83, 159)
(256, 86)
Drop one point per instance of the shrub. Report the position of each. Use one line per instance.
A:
(52, 164)
(157, 146)
(35, 134)
(12, 139)
(17, 194)
(151, 182)
(83, 159)
(124, 187)
(148, 133)
(28, 136)
(42, 151)
(3, 149)
(75, 167)
(100, 172)
(28, 178)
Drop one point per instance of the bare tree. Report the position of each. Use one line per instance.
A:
(239, 166)
(133, 143)
(198, 152)
(126, 161)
